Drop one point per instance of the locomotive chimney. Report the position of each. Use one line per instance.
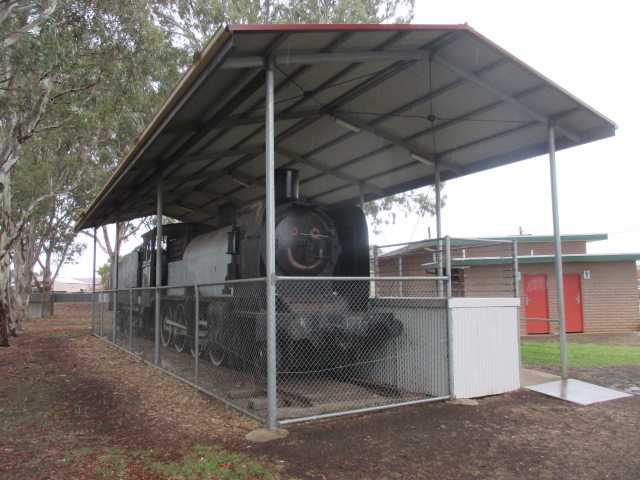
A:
(227, 213)
(287, 186)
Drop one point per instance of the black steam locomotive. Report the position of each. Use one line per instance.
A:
(320, 323)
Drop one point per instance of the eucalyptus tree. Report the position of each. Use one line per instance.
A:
(73, 74)
(192, 22)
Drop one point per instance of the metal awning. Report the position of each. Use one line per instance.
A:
(359, 110)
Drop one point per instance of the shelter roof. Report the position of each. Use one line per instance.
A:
(359, 109)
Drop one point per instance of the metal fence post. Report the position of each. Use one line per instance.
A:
(102, 316)
(516, 271)
(115, 314)
(156, 337)
(131, 320)
(93, 311)
(447, 246)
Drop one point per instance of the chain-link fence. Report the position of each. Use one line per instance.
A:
(338, 350)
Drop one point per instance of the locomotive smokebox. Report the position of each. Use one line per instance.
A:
(287, 185)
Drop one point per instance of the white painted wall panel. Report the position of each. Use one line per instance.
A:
(485, 346)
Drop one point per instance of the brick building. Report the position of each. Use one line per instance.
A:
(601, 290)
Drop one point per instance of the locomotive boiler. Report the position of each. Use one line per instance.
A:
(323, 319)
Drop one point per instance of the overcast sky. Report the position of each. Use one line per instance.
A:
(586, 47)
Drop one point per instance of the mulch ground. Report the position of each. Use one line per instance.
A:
(70, 402)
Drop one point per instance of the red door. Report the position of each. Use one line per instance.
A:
(573, 303)
(535, 302)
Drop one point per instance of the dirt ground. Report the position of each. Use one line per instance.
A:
(71, 402)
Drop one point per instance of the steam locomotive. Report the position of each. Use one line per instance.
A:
(319, 323)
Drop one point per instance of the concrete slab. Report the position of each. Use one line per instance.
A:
(262, 435)
(533, 377)
(578, 392)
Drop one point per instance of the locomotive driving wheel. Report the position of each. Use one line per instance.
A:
(216, 336)
(166, 330)
(180, 334)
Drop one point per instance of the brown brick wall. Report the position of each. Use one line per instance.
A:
(609, 298)
(524, 248)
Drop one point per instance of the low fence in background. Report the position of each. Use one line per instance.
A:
(40, 309)
(64, 297)
(475, 267)
(338, 350)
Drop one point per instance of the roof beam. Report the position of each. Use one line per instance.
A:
(378, 132)
(332, 57)
(503, 134)
(326, 170)
(472, 77)
(243, 121)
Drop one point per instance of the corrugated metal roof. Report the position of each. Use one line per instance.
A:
(352, 103)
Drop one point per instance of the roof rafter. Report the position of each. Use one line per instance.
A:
(472, 77)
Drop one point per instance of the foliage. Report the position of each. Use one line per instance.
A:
(105, 275)
(80, 78)
(580, 355)
(190, 23)
(416, 202)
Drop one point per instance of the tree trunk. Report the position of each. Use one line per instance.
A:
(4, 324)
(47, 301)
(5, 224)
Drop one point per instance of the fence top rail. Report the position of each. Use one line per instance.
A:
(362, 279)
(281, 279)
(483, 240)
(435, 241)
(168, 287)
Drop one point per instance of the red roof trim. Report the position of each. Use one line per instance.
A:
(340, 27)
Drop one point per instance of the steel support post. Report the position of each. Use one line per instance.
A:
(93, 289)
(375, 270)
(116, 253)
(272, 407)
(196, 373)
(361, 185)
(156, 359)
(438, 227)
(558, 252)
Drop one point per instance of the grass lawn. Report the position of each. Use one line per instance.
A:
(579, 355)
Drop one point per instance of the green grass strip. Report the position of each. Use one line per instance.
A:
(579, 355)
(215, 463)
